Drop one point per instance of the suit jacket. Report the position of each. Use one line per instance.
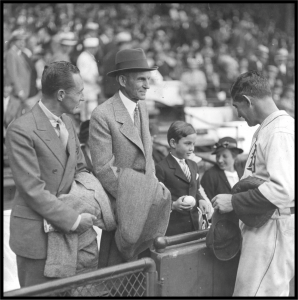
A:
(214, 181)
(170, 173)
(42, 170)
(115, 143)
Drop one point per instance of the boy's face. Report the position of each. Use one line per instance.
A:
(185, 146)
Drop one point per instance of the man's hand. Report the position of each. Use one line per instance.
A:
(204, 206)
(222, 202)
(85, 223)
(179, 205)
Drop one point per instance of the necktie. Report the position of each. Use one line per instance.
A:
(185, 169)
(137, 120)
(63, 133)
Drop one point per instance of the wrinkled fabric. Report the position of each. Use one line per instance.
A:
(70, 254)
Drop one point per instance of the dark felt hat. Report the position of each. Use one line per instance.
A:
(226, 143)
(224, 236)
(130, 59)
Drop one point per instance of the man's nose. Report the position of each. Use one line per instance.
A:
(146, 84)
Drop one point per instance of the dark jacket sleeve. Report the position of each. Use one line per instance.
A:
(208, 184)
(160, 174)
(251, 202)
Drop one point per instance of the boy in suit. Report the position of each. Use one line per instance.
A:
(180, 175)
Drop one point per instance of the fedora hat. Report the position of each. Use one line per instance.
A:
(226, 143)
(224, 237)
(130, 59)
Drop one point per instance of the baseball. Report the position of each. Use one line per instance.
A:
(189, 200)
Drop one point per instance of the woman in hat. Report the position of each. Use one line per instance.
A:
(221, 178)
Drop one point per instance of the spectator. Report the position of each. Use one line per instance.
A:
(66, 44)
(221, 178)
(259, 61)
(89, 71)
(18, 71)
(194, 84)
(47, 149)
(115, 148)
(180, 175)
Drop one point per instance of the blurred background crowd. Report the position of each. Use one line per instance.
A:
(203, 46)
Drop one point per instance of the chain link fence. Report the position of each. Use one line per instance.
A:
(133, 279)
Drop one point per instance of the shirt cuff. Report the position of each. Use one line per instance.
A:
(76, 224)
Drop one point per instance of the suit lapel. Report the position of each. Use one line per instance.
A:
(47, 134)
(173, 164)
(146, 137)
(127, 128)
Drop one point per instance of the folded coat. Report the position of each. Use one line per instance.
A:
(70, 254)
(143, 208)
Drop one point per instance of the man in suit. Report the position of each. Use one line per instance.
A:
(18, 71)
(180, 175)
(44, 155)
(119, 130)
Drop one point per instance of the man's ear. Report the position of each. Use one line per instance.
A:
(122, 80)
(247, 100)
(173, 143)
(60, 95)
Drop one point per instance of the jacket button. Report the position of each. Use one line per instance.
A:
(55, 171)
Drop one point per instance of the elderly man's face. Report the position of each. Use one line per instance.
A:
(136, 85)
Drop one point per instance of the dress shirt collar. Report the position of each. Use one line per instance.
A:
(52, 118)
(178, 159)
(129, 104)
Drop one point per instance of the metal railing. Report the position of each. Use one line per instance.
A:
(132, 279)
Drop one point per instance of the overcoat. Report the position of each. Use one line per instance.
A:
(115, 144)
(42, 170)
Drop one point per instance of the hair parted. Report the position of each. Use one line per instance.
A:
(252, 84)
(58, 75)
(178, 130)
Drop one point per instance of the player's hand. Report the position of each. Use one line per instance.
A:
(223, 203)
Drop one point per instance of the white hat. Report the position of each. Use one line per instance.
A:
(67, 39)
(92, 26)
(91, 42)
(123, 37)
(282, 52)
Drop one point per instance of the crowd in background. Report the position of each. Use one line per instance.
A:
(205, 46)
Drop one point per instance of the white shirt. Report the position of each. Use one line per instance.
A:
(232, 177)
(52, 118)
(129, 105)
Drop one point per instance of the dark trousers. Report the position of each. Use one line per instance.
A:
(30, 271)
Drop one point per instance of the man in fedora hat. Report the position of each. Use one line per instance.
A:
(266, 211)
(119, 128)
